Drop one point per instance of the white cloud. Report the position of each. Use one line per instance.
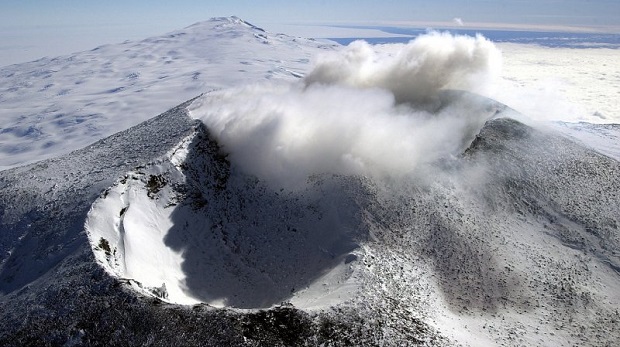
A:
(362, 110)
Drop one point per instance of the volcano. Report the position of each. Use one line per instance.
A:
(320, 209)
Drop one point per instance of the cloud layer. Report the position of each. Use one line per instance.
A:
(362, 110)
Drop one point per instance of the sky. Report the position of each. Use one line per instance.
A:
(30, 29)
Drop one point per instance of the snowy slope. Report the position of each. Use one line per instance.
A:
(189, 229)
(53, 291)
(604, 138)
(513, 242)
(52, 106)
(43, 205)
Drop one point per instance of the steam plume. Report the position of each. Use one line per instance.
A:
(362, 110)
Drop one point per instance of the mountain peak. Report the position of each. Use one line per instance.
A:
(224, 22)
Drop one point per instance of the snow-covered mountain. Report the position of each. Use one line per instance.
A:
(52, 106)
(425, 217)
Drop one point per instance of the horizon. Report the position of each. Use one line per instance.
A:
(37, 29)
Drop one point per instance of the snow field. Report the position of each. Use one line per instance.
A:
(52, 106)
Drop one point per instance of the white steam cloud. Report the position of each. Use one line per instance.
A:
(414, 72)
(363, 110)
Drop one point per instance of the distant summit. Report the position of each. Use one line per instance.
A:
(224, 22)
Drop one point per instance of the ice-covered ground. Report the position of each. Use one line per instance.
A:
(52, 106)
(512, 242)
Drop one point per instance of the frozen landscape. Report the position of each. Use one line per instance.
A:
(224, 185)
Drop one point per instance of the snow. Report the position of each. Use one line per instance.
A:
(604, 138)
(134, 226)
(248, 249)
(52, 106)
(62, 190)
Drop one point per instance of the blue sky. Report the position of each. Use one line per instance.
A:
(33, 28)
(564, 12)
